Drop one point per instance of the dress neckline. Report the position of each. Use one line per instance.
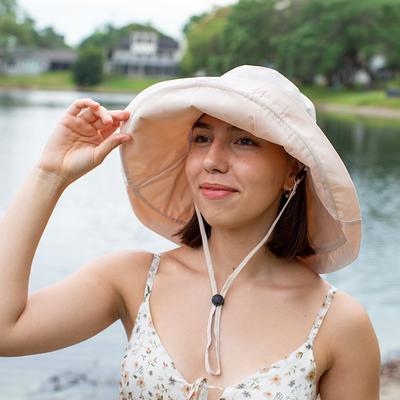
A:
(264, 371)
(260, 372)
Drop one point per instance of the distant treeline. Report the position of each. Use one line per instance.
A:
(17, 29)
(301, 38)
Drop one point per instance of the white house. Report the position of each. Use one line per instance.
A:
(145, 53)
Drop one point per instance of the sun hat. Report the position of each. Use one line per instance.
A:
(259, 100)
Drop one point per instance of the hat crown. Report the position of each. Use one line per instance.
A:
(261, 101)
(269, 76)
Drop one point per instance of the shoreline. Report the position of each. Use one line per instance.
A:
(364, 111)
(390, 379)
(391, 113)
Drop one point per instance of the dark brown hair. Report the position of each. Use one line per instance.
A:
(287, 240)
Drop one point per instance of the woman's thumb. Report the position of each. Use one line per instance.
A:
(105, 147)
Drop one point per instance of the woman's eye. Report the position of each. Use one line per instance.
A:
(247, 141)
(200, 139)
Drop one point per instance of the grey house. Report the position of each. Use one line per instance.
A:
(21, 61)
(145, 53)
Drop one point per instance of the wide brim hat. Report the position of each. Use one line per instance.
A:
(263, 102)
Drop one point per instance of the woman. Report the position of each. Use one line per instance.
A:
(200, 171)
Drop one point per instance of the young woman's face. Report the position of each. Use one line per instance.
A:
(235, 177)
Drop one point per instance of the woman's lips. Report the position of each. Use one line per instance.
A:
(214, 192)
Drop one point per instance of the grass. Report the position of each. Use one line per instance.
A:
(49, 80)
(124, 84)
(369, 121)
(355, 97)
(63, 81)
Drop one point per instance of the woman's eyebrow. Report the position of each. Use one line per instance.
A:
(203, 125)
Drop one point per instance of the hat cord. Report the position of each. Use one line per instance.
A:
(217, 299)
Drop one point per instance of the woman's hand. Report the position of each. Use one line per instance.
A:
(82, 139)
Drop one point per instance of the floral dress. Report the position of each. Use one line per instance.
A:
(148, 372)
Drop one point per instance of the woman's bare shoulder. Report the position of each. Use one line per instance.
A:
(347, 312)
(119, 264)
(351, 327)
(354, 351)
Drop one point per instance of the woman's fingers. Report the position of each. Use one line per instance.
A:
(107, 145)
(81, 104)
(121, 115)
(91, 119)
(104, 115)
(98, 118)
(95, 114)
(108, 130)
(101, 117)
(116, 118)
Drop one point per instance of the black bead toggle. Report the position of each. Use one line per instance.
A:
(217, 300)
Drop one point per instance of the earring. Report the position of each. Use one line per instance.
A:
(286, 193)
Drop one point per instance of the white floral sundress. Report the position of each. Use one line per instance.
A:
(149, 373)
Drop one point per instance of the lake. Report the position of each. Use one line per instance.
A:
(93, 217)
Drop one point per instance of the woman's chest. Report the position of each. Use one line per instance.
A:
(258, 330)
(149, 368)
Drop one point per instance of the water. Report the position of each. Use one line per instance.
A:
(93, 217)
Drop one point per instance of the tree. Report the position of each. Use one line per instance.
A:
(88, 68)
(17, 29)
(336, 38)
(204, 42)
(49, 39)
(300, 38)
(249, 33)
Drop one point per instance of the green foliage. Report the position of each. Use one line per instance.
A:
(300, 38)
(8, 7)
(48, 38)
(17, 29)
(205, 46)
(88, 68)
(337, 37)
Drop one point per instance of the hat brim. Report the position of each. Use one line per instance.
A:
(153, 163)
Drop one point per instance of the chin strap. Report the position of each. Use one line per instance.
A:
(218, 298)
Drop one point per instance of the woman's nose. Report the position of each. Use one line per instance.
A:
(216, 158)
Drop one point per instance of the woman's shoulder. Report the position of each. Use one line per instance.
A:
(351, 329)
(126, 270)
(353, 349)
(122, 262)
(348, 313)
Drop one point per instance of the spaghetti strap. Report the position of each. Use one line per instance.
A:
(150, 276)
(322, 312)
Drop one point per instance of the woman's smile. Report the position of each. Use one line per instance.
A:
(216, 194)
(215, 191)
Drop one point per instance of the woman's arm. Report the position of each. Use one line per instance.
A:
(86, 302)
(355, 368)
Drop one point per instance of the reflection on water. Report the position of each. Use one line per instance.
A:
(93, 217)
(43, 98)
(371, 151)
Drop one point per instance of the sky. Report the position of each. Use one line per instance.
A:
(76, 19)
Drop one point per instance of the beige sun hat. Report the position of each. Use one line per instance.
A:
(263, 102)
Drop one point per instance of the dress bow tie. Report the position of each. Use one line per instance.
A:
(199, 389)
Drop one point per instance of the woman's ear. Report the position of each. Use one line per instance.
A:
(294, 167)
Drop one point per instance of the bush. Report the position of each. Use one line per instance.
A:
(88, 68)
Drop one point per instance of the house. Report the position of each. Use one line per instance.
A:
(22, 61)
(146, 53)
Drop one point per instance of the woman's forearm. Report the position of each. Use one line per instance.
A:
(21, 228)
